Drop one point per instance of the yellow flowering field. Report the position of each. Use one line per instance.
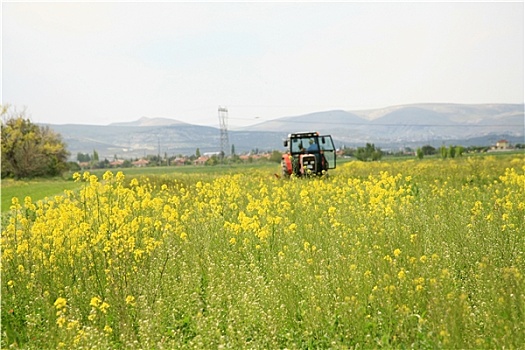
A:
(395, 254)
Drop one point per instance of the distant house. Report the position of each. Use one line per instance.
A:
(502, 144)
(140, 163)
(179, 161)
(84, 165)
(261, 156)
(201, 160)
(116, 163)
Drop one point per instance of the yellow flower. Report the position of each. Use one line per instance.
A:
(60, 303)
(95, 301)
(403, 309)
(72, 324)
(397, 252)
(103, 307)
(108, 175)
(130, 300)
(120, 176)
(61, 321)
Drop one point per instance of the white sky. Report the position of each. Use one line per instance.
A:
(102, 62)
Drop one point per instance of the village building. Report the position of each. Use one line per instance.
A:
(502, 144)
(116, 163)
(84, 165)
(201, 160)
(140, 163)
(179, 161)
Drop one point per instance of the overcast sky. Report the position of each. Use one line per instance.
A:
(98, 63)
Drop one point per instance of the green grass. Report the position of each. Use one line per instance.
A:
(39, 189)
(36, 189)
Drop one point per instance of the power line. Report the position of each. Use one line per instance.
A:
(372, 124)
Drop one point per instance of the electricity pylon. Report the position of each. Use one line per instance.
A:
(223, 124)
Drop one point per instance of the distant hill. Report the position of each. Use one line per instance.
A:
(145, 121)
(397, 126)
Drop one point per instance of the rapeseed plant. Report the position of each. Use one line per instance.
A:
(393, 254)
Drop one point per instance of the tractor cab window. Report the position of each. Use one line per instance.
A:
(297, 145)
(313, 146)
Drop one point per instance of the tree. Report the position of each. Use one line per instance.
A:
(369, 152)
(452, 151)
(234, 158)
(419, 153)
(347, 151)
(276, 156)
(198, 153)
(81, 157)
(428, 150)
(29, 150)
(443, 151)
(213, 160)
(377, 154)
(73, 166)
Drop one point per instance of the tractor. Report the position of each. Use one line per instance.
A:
(307, 154)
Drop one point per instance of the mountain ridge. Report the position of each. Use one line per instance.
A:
(389, 127)
(146, 121)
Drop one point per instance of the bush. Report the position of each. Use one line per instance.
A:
(29, 150)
